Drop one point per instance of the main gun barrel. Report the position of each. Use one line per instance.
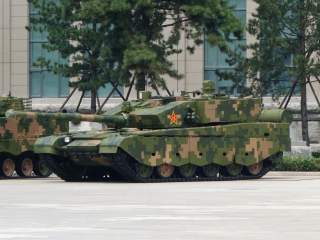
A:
(117, 121)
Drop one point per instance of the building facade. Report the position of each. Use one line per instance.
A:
(14, 48)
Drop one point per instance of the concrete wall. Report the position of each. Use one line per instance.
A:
(14, 48)
(191, 66)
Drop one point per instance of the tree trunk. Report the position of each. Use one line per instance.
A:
(93, 101)
(302, 75)
(304, 113)
(140, 84)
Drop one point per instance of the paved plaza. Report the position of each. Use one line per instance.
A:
(279, 206)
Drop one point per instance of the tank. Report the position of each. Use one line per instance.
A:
(210, 137)
(17, 136)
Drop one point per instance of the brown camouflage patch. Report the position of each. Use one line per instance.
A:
(191, 146)
(210, 110)
(231, 154)
(260, 147)
(153, 159)
(256, 110)
(168, 152)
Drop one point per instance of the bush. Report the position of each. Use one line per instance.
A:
(298, 163)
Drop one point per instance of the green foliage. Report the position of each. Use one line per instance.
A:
(298, 163)
(80, 38)
(115, 40)
(282, 28)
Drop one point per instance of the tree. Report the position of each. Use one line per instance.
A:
(78, 38)
(128, 41)
(284, 29)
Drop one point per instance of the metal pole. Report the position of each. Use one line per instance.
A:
(67, 100)
(80, 101)
(314, 92)
(130, 88)
(291, 93)
(105, 101)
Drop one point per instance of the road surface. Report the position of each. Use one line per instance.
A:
(279, 206)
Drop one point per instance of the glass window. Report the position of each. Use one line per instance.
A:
(42, 82)
(50, 84)
(216, 61)
(64, 86)
(238, 4)
(36, 84)
(105, 91)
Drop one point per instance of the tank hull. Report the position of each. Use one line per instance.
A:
(189, 151)
(17, 138)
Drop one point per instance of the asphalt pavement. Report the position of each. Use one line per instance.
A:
(279, 206)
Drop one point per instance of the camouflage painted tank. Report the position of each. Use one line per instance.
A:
(172, 139)
(17, 136)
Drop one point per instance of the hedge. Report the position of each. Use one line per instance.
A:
(298, 163)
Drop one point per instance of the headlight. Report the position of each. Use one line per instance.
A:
(67, 139)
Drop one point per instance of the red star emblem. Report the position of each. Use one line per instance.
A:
(173, 118)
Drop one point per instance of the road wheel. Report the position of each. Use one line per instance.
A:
(7, 167)
(41, 169)
(188, 170)
(143, 171)
(233, 170)
(24, 167)
(255, 169)
(211, 170)
(165, 170)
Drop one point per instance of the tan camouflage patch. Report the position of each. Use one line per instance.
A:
(236, 105)
(154, 103)
(190, 147)
(210, 110)
(35, 129)
(153, 159)
(256, 110)
(231, 154)
(168, 151)
(260, 147)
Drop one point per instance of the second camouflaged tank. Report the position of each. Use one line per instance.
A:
(17, 136)
(172, 139)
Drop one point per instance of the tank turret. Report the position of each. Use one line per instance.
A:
(174, 113)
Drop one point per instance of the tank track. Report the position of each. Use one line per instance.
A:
(123, 171)
(125, 168)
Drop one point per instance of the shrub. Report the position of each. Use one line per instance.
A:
(298, 163)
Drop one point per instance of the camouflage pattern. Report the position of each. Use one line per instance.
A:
(174, 132)
(10, 103)
(18, 134)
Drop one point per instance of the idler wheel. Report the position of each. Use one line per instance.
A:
(41, 168)
(188, 170)
(165, 170)
(211, 170)
(234, 170)
(24, 167)
(143, 171)
(7, 167)
(255, 169)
